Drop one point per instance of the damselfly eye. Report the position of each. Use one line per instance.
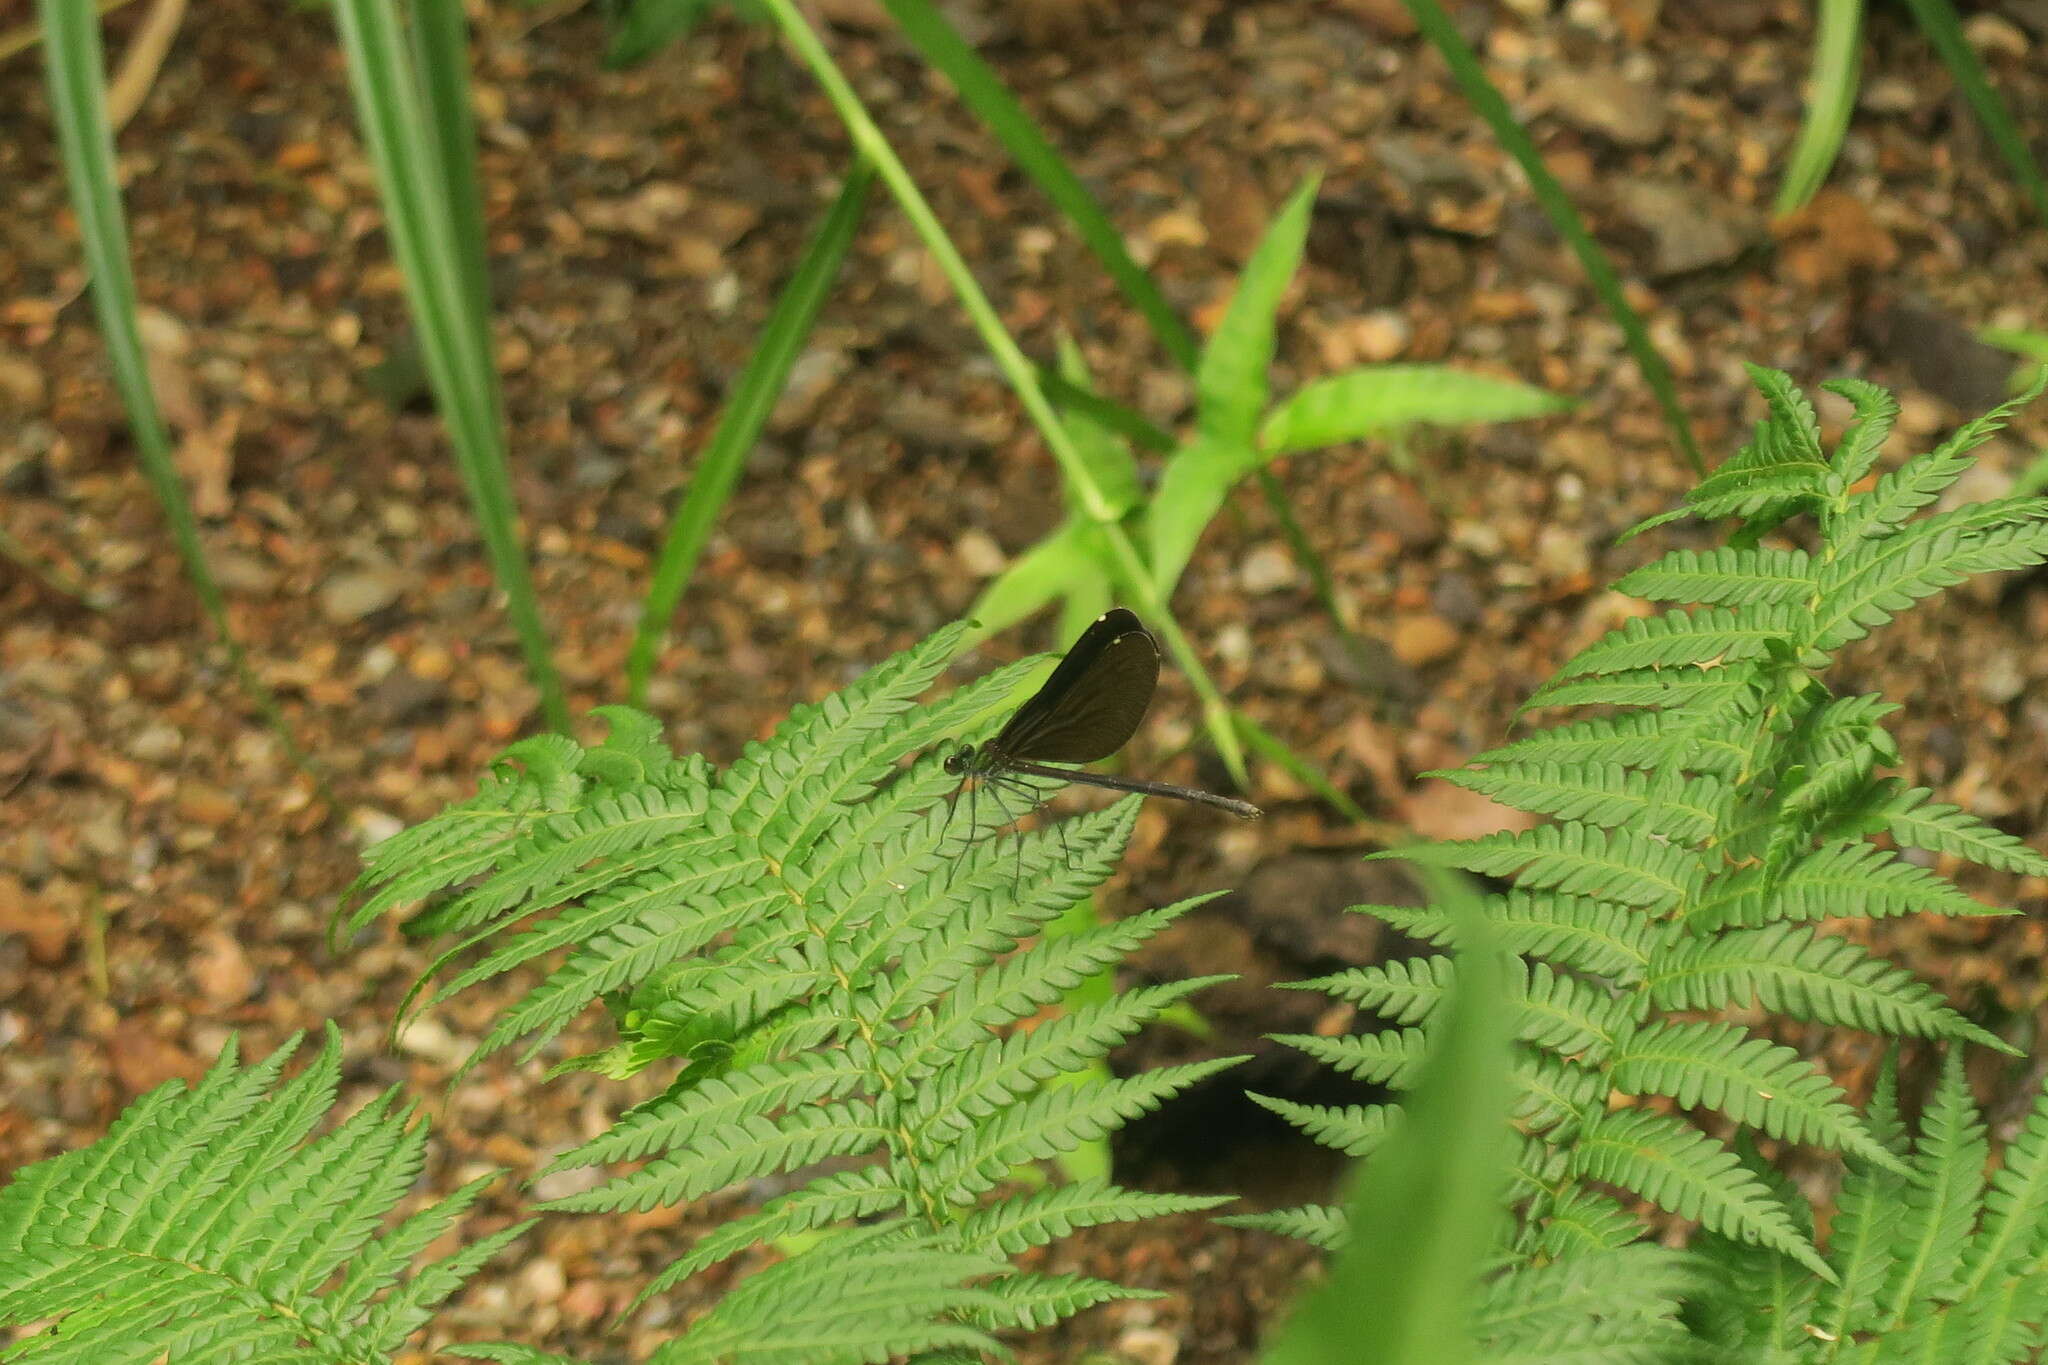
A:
(956, 762)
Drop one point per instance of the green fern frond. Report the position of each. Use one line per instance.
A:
(1726, 576)
(1872, 583)
(1583, 1222)
(970, 1088)
(1599, 937)
(1858, 449)
(835, 1197)
(1608, 795)
(1353, 1129)
(1758, 1083)
(1556, 1093)
(1615, 1305)
(1031, 1301)
(1048, 1214)
(1794, 970)
(1711, 635)
(1565, 1015)
(1404, 991)
(1317, 1224)
(1388, 1058)
(1632, 739)
(1687, 1173)
(699, 1106)
(1577, 859)
(1842, 881)
(1915, 822)
(746, 1150)
(1693, 689)
(858, 1297)
(1903, 492)
(1868, 1210)
(1791, 434)
(1944, 1186)
(2013, 1234)
(209, 1222)
(1054, 1122)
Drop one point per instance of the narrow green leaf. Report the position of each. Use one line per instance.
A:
(1443, 35)
(648, 26)
(1231, 383)
(982, 91)
(746, 412)
(441, 292)
(1382, 398)
(1425, 1210)
(78, 101)
(1831, 86)
(1938, 21)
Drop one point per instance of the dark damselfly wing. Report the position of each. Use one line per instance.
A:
(1093, 701)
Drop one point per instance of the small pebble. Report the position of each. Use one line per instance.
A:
(1424, 639)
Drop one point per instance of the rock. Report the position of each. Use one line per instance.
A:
(1383, 18)
(1296, 906)
(1688, 229)
(811, 377)
(202, 803)
(2001, 678)
(349, 597)
(1268, 568)
(425, 1036)
(142, 1060)
(1940, 353)
(240, 572)
(220, 969)
(1423, 639)
(1605, 102)
(45, 927)
(979, 554)
(1148, 1346)
(1832, 237)
(21, 382)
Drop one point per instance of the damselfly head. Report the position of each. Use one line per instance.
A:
(960, 760)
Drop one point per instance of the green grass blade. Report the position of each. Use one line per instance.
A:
(1830, 100)
(78, 100)
(440, 39)
(1233, 380)
(1426, 1207)
(1271, 747)
(746, 412)
(1374, 399)
(1938, 21)
(648, 26)
(405, 150)
(1104, 412)
(938, 43)
(1443, 35)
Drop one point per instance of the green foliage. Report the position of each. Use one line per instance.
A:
(1426, 1208)
(412, 104)
(1928, 1260)
(837, 965)
(211, 1224)
(1239, 431)
(1694, 845)
(1427, 1216)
